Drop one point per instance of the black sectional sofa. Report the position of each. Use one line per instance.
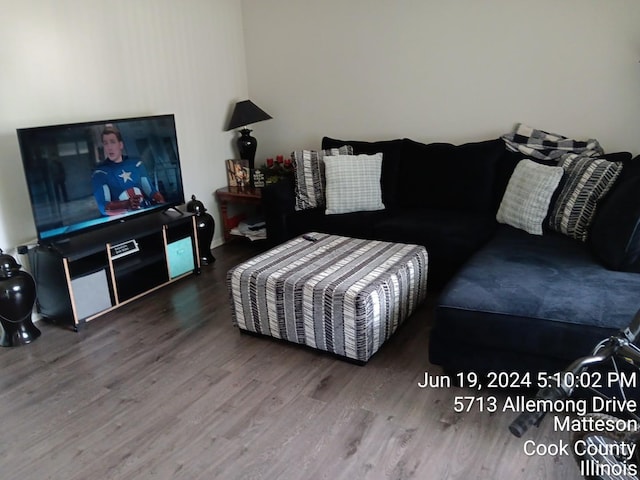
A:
(508, 300)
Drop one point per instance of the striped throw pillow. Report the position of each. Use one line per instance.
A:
(588, 180)
(526, 200)
(309, 175)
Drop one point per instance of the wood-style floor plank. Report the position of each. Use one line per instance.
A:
(167, 388)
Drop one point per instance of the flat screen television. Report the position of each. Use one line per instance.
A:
(87, 175)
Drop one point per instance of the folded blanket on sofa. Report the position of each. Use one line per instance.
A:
(547, 146)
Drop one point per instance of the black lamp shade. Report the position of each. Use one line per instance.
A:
(246, 113)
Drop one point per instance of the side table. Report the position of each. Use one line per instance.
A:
(235, 195)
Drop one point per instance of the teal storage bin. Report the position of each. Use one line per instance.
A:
(180, 257)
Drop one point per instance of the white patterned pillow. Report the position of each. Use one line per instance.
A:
(588, 180)
(353, 183)
(309, 175)
(526, 200)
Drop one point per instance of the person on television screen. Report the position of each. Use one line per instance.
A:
(121, 183)
(59, 180)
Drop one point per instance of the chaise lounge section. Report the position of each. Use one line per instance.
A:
(529, 303)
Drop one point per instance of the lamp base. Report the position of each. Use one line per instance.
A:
(247, 146)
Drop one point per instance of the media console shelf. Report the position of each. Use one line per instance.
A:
(91, 274)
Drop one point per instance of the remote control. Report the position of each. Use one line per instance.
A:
(311, 238)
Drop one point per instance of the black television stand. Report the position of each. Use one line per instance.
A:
(96, 272)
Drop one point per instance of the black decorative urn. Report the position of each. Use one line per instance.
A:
(206, 227)
(17, 297)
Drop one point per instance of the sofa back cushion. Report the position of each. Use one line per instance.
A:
(452, 177)
(614, 236)
(391, 154)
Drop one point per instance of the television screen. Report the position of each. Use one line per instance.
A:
(85, 175)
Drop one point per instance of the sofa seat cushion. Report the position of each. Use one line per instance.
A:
(354, 224)
(450, 237)
(538, 296)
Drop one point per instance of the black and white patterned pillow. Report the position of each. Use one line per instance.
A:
(309, 175)
(588, 179)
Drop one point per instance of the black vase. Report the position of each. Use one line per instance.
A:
(17, 297)
(206, 228)
(247, 146)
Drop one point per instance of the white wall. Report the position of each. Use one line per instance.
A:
(367, 69)
(69, 60)
(432, 70)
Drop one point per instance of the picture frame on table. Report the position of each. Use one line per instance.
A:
(238, 173)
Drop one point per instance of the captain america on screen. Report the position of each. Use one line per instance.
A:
(121, 183)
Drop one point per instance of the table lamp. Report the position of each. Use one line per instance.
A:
(245, 113)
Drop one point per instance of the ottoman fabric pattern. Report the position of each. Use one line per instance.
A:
(338, 294)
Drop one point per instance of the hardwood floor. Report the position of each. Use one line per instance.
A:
(167, 388)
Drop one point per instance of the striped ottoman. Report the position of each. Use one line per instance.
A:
(339, 294)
